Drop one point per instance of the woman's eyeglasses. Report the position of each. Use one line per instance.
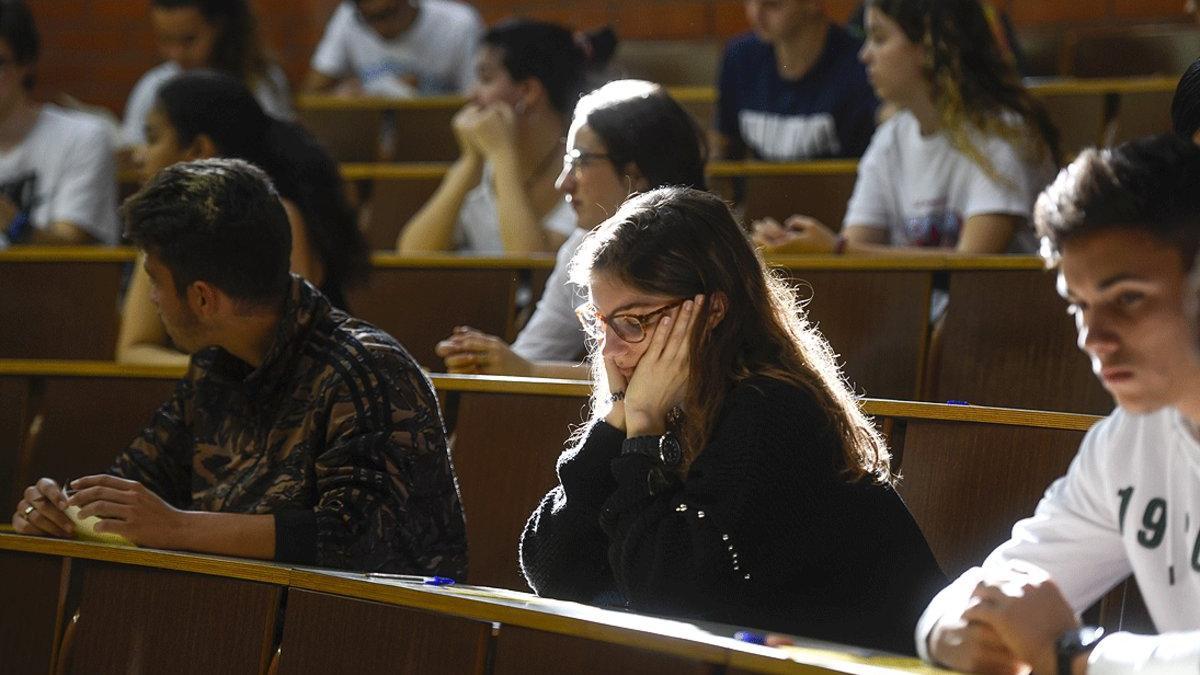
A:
(629, 327)
(577, 159)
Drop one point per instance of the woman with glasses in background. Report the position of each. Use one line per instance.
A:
(727, 473)
(627, 136)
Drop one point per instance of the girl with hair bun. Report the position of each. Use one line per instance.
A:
(958, 166)
(727, 473)
(499, 196)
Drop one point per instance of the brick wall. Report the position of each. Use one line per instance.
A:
(96, 49)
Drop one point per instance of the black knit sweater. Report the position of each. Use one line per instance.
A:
(762, 532)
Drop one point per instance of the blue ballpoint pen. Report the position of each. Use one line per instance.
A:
(412, 578)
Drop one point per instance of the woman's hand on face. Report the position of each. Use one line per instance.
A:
(660, 377)
(463, 124)
(470, 351)
(616, 383)
(491, 130)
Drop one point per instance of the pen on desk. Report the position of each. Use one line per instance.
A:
(412, 578)
(751, 637)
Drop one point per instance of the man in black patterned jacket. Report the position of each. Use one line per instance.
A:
(299, 433)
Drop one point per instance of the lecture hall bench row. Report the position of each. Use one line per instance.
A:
(968, 472)
(1087, 112)
(1005, 339)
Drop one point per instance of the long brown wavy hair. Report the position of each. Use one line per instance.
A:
(682, 242)
(974, 86)
(239, 49)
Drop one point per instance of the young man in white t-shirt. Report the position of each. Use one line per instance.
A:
(398, 48)
(1123, 226)
(58, 181)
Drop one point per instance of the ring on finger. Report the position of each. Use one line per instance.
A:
(27, 510)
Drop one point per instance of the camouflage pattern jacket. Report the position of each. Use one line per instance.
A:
(337, 434)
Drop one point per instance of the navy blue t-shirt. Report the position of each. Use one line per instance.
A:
(830, 112)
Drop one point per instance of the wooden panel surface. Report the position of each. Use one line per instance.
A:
(1007, 341)
(522, 650)
(1079, 119)
(419, 307)
(59, 310)
(79, 424)
(146, 620)
(392, 202)
(876, 322)
(30, 597)
(13, 393)
(348, 135)
(326, 634)
(821, 196)
(967, 483)
(505, 447)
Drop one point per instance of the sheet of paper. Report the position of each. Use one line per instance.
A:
(85, 529)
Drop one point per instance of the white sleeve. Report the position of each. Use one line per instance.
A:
(870, 201)
(553, 333)
(275, 96)
(466, 52)
(1074, 535)
(141, 99)
(86, 194)
(1128, 654)
(1012, 196)
(332, 55)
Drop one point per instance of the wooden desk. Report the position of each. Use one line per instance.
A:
(343, 619)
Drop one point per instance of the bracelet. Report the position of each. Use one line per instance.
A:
(614, 397)
(839, 246)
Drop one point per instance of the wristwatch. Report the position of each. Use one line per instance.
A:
(1073, 643)
(665, 448)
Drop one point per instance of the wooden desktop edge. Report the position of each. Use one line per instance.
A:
(493, 384)
(587, 622)
(703, 94)
(383, 259)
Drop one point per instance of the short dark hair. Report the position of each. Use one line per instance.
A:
(20, 32)
(1150, 184)
(215, 220)
(1185, 107)
(639, 122)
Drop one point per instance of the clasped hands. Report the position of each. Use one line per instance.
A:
(471, 351)
(797, 234)
(487, 131)
(125, 507)
(1010, 624)
(659, 380)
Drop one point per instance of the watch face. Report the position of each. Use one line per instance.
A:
(669, 450)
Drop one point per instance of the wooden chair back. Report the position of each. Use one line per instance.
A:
(876, 320)
(61, 304)
(506, 440)
(1007, 341)
(419, 300)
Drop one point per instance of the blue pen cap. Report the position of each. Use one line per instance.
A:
(750, 637)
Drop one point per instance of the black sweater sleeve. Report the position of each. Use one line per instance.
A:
(562, 548)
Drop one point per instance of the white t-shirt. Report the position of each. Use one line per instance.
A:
(921, 190)
(477, 229)
(64, 170)
(553, 332)
(434, 56)
(274, 97)
(1130, 503)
